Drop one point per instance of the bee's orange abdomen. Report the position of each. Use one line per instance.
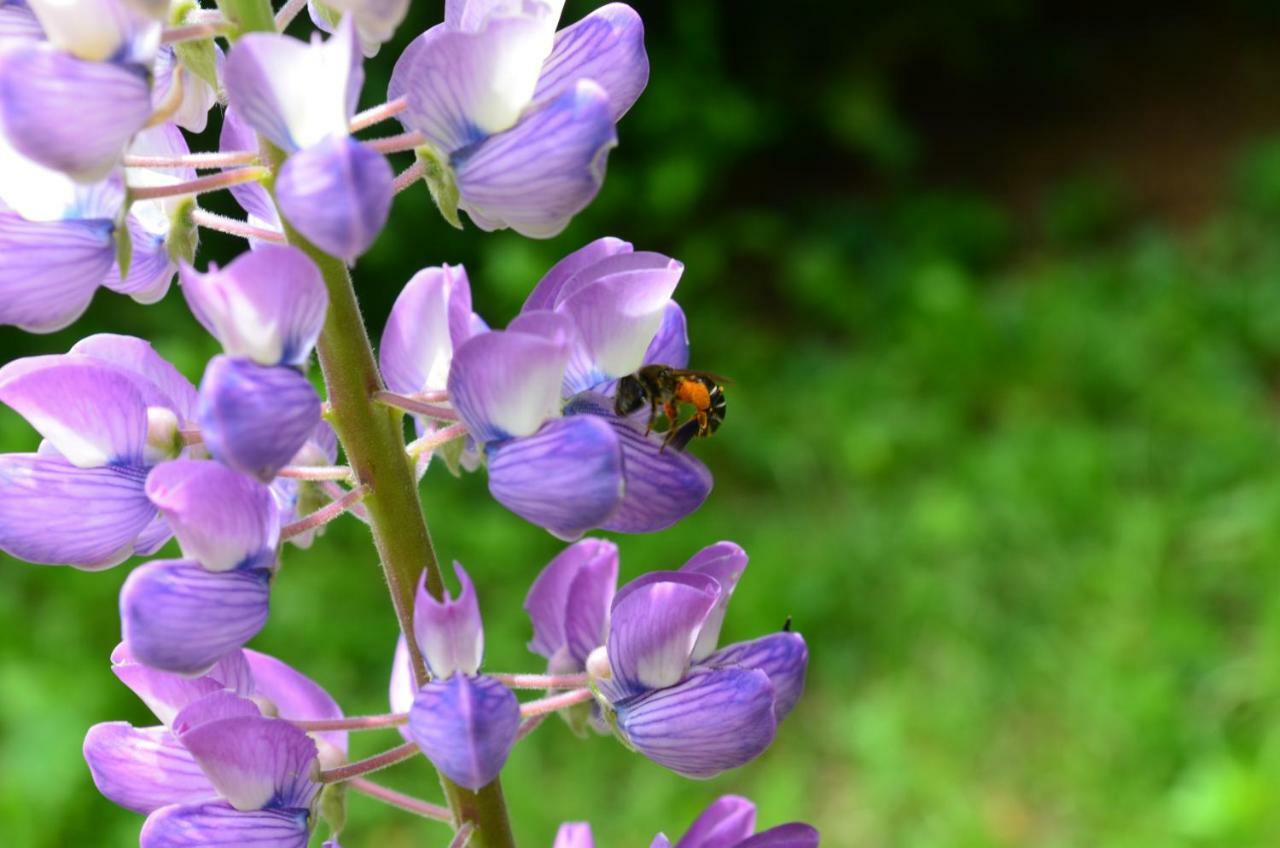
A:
(693, 393)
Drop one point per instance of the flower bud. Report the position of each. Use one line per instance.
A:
(449, 632)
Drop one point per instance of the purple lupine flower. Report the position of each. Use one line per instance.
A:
(109, 410)
(533, 396)
(728, 822)
(198, 96)
(257, 409)
(334, 190)
(185, 615)
(253, 197)
(463, 721)
(376, 20)
(668, 692)
(219, 765)
(519, 119)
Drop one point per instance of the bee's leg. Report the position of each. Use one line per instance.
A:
(653, 416)
(672, 414)
(704, 425)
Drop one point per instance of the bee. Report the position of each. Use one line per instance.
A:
(667, 387)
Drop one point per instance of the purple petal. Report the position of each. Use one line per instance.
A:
(219, 825)
(546, 294)
(17, 21)
(566, 478)
(92, 413)
(660, 841)
(536, 176)
(56, 514)
(607, 46)
(49, 271)
(661, 486)
(143, 768)
(472, 15)
(213, 707)
(295, 93)
(713, 721)
(151, 269)
(724, 561)
(67, 114)
(255, 418)
(792, 835)
(376, 20)
(726, 822)
(294, 695)
(255, 761)
(237, 136)
(166, 694)
(449, 632)
(507, 383)
(655, 624)
(466, 727)
(574, 835)
(782, 656)
(137, 356)
(268, 305)
(403, 689)
(177, 616)
(671, 345)
(222, 518)
(569, 601)
(431, 317)
(338, 194)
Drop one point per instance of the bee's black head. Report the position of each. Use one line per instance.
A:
(630, 396)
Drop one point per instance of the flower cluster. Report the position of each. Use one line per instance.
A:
(509, 119)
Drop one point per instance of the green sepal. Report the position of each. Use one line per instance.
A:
(441, 183)
(610, 715)
(124, 241)
(332, 806)
(184, 235)
(179, 10)
(450, 454)
(577, 717)
(328, 14)
(201, 59)
(248, 16)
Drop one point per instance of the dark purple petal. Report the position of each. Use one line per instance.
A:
(268, 305)
(607, 46)
(238, 136)
(50, 270)
(655, 623)
(782, 656)
(219, 825)
(569, 601)
(222, 518)
(713, 721)
(143, 768)
(56, 514)
(255, 761)
(466, 727)
(431, 317)
(17, 21)
(540, 173)
(166, 694)
(294, 695)
(138, 357)
(726, 822)
(661, 486)
(338, 194)
(724, 561)
(68, 114)
(574, 835)
(566, 478)
(792, 835)
(255, 418)
(177, 616)
(546, 295)
(449, 632)
(671, 345)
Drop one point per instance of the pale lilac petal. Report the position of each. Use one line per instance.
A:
(100, 30)
(607, 46)
(724, 561)
(402, 690)
(574, 835)
(17, 21)
(546, 294)
(472, 15)
(726, 822)
(222, 518)
(713, 721)
(671, 345)
(91, 412)
(294, 695)
(268, 305)
(139, 357)
(660, 841)
(430, 318)
(56, 514)
(50, 270)
(255, 761)
(153, 537)
(214, 707)
(198, 97)
(782, 656)
(655, 623)
(376, 20)
(166, 694)
(219, 825)
(238, 136)
(569, 601)
(295, 93)
(536, 176)
(566, 478)
(466, 727)
(255, 418)
(177, 616)
(661, 486)
(143, 768)
(337, 192)
(507, 383)
(151, 269)
(792, 835)
(449, 632)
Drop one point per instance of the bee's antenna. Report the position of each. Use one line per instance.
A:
(786, 625)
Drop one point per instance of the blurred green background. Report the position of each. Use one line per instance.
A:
(999, 285)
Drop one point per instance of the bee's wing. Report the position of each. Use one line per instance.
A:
(713, 377)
